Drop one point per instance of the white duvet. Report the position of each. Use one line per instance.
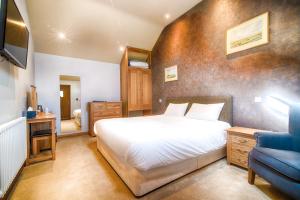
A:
(149, 142)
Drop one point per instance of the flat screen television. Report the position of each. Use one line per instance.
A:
(14, 34)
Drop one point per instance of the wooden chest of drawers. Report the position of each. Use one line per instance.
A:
(240, 142)
(103, 110)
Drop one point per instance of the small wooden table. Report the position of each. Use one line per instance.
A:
(40, 122)
(240, 142)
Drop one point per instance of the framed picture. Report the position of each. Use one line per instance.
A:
(252, 33)
(171, 73)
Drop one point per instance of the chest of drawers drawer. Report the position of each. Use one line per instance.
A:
(108, 112)
(98, 107)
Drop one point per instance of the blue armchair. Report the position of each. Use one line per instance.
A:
(276, 157)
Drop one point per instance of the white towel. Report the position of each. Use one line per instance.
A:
(140, 64)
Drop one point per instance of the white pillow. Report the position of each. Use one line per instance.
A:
(205, 111)
(176, 109)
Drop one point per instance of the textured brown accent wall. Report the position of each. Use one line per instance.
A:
(196, 43)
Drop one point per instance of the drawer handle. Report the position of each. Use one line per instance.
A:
(241, 151)
(241, 161)
(243, 141)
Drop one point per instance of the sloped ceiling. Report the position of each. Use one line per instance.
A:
(95, 29)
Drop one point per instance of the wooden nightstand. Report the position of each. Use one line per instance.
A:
(240, 142)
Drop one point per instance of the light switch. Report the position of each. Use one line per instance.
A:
(160, 100)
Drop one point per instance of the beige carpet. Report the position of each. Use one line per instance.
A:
(80, 172)
(68, 126)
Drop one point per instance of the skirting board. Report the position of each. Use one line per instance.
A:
(71, 134)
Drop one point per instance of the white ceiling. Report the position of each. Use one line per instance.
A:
(95, 29)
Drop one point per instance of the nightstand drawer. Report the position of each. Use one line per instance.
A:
(243, 150)
(240, 154)
(239, 159)
(243, 141)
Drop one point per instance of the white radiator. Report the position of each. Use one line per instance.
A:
(13, 151)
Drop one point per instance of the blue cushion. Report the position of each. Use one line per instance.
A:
(285, 162)
(294, 120)
(281, 141)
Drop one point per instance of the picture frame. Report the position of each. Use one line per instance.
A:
(171, 73)
(249, 34)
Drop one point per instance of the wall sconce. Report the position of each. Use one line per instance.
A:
(278, 105)
(61, 94)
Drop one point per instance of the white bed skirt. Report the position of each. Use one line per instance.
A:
(142, 182)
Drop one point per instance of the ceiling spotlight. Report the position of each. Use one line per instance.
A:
(121, 48)
(61, 36)
(167, 16)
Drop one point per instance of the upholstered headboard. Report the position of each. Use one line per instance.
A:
(226, 114)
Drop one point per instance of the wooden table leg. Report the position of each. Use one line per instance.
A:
(35, 148)
(53, 139)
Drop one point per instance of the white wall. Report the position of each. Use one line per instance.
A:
(99, 81)
(15, 82)
(75, 94)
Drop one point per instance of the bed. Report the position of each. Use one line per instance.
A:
(77, 116)
(148, 152)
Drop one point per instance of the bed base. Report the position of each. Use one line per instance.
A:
(143, 182)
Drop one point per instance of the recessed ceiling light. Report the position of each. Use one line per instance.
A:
(167, 16)
(61, 35)
(121, 48)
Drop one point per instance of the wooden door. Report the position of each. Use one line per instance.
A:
(134, 89)
(65, 102)
(146, 90)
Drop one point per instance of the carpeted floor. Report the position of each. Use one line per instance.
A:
(68, 126)
(80, 172)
